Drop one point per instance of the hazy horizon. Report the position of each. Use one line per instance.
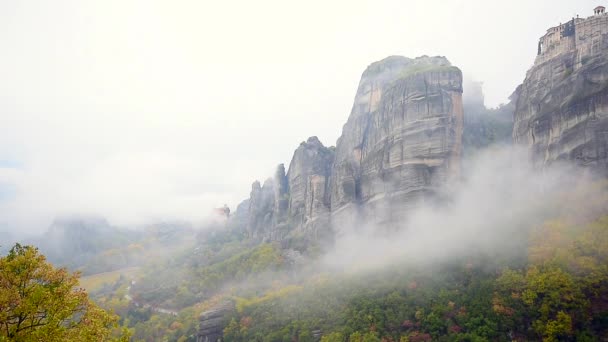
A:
(144, 110)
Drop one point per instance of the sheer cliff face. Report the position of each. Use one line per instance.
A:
(261, 209)
(308, 179)
(296, 202)
(562, 106)
(212, 323)
(401, 141)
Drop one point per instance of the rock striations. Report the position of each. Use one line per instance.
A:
(308, 179)
(294, 202)
(401, 141)
(212, 323)
(562, 105)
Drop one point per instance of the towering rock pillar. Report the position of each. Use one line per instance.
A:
(295, 202)
(261, 210)
(562, 106)
(281, 195)
(308, 177)
(401, 141)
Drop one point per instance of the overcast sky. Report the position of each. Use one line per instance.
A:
(149, 110)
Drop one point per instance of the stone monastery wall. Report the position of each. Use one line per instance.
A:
(586, 37)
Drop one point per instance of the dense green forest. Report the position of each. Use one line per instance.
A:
(559, 293)
(550, 283)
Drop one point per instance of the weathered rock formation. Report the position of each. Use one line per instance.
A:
(296, 201)
(242, 210)
(281, 195)
(213, 322)
(484, 126)
(308, 177)
(261, 209)
(562, 105)
(401, 142)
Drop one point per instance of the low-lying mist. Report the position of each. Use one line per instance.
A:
(488, 213)
(483, 219)
(482, 222)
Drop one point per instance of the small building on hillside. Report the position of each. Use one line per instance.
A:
(223, 212)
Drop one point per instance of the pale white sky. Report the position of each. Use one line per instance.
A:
(145, 110)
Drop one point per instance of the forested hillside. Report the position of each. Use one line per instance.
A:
(550, 283)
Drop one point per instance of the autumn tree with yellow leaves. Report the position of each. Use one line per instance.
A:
(39, 302)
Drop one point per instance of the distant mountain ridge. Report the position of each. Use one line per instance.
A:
(73, 241)
(91, 245)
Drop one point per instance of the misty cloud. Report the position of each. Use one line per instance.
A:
(490, 212)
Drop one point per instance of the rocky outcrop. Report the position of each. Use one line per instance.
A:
(308, 177)
(401, 141)
(294, 202)
(240, 218)
(562, 106)
(213, 322)
(484, 126)
(261, 209)
(281, 195)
